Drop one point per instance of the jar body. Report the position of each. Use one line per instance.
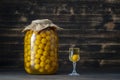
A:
(40, 51)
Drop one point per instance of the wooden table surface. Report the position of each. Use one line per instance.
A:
(21, 75)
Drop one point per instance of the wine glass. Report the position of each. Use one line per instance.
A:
(74, 57)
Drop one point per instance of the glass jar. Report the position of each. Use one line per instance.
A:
(40, 51)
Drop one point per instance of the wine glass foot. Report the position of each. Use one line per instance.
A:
(74, 74)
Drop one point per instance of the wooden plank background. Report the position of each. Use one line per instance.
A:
(84, 24)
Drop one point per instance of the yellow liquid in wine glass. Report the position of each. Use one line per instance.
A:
(75, 57)
(74, 54)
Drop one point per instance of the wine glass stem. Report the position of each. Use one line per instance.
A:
(74, 67)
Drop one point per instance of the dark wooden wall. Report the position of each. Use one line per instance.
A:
(92, 25)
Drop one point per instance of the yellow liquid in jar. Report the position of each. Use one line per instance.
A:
(41, 53)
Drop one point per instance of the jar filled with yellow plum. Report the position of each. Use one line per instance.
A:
(41, 47)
